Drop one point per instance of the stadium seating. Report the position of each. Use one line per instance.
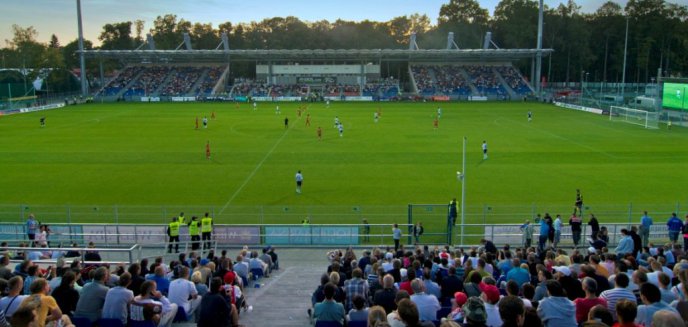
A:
(513, 78)
(465, 80)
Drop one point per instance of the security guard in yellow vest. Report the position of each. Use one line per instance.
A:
(173, 233)
(181, 218)
(195, 232)
(207, 230)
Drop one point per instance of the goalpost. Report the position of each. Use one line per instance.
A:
(643, 118)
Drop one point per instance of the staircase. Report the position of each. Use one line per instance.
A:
(504, 84)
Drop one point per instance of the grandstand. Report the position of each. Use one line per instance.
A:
(449, 74)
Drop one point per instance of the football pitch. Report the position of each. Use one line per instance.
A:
(152, 155)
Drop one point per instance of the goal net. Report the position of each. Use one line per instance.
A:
(643, 118)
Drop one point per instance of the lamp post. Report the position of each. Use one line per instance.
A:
(461, 175)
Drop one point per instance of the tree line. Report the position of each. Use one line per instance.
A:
(590, 43)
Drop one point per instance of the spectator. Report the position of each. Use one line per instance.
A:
(359, 312)
(458, 301)
(599, 314)
(393, 318)
(645, 224)
(541, 289)
(602, 283)
(161, 281)
(355, 286)
(433, 289)
(5, 272)
(575, 222)
(518, 273)
(556, 309)
(427, 304)
(65, 295)
(92, 255)
(675, 226)
(511, 311)
(10, 303)
(201, 287)
(118, 298)
(329, 310)
(684, 230)
(183, 293)
(163, 310)
(376, 315)
(664, 284)
(214, 310)
(625, 245)
(618, 293)
(664, 318)
(490, 297)
(474, 311)
(47, 309)
(513, 289)
(386, 296)
(651, 298)
(410, 315)
(92, 296)
(583, 305)
(594, 227)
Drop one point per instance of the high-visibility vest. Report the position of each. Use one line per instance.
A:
(207, 224)
(174, 228)
(180, 219)
(193, 228)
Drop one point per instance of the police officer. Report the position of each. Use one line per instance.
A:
(181, 218)
(195, 232)
(207, 230)
(173, 233)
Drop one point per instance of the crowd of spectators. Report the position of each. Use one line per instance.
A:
(182, 80)
(210, 80)
(450, 80)
(386, 87)
(424, 80)
(151, 78)
(488, 286)
(121, 81)
(249, 87)
(210, 290)
(513, 79)
(485, 80)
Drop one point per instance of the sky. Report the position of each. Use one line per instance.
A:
(59, 16)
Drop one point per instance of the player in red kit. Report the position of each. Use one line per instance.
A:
(319, 133)
(196, 122)
(308, 119)
(436, 123)
(212, 115)
(207, 150)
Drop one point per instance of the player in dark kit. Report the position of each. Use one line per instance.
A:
(286, 122)
(319, 133)
(42, 121)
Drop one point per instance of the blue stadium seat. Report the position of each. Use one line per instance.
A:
(443, 312)
(257, 273)
(141, 323)
(81, 322)
(181, 315)
(109, 322)
(359, 323)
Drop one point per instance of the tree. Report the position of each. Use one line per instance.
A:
(164, 32)
(116, 36)
(70, 55)
(402, 27)
(27, 51)
(203, 36)
(54, 43)
(464, 11)
(515, 23)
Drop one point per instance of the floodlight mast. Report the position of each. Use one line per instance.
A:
(538, 56)
(463, 189)
(82, 61)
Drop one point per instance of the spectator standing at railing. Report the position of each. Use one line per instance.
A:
(575, 222)
(645, 223)
(594, 227)
(396, 235)
(675, 226)
(31, 227)
(684, 230)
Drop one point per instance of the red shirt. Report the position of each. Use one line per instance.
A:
(630, 324)
(406, 286)
(583, 307)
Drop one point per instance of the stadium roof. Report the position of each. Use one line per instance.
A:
(443, 55)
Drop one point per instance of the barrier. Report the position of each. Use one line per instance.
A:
(577, 107)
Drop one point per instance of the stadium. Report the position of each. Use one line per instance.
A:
(450, 142)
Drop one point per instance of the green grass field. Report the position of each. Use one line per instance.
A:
(142, 156)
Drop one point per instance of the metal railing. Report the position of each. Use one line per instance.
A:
(132, 253)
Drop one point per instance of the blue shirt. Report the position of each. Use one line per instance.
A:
(519, 275)
(675, 224)
(162, 283)
(31, 226)
(646, 221)
(397, 234)
(544, 228)
(625, 245)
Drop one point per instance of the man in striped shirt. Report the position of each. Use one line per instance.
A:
(619, 292)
